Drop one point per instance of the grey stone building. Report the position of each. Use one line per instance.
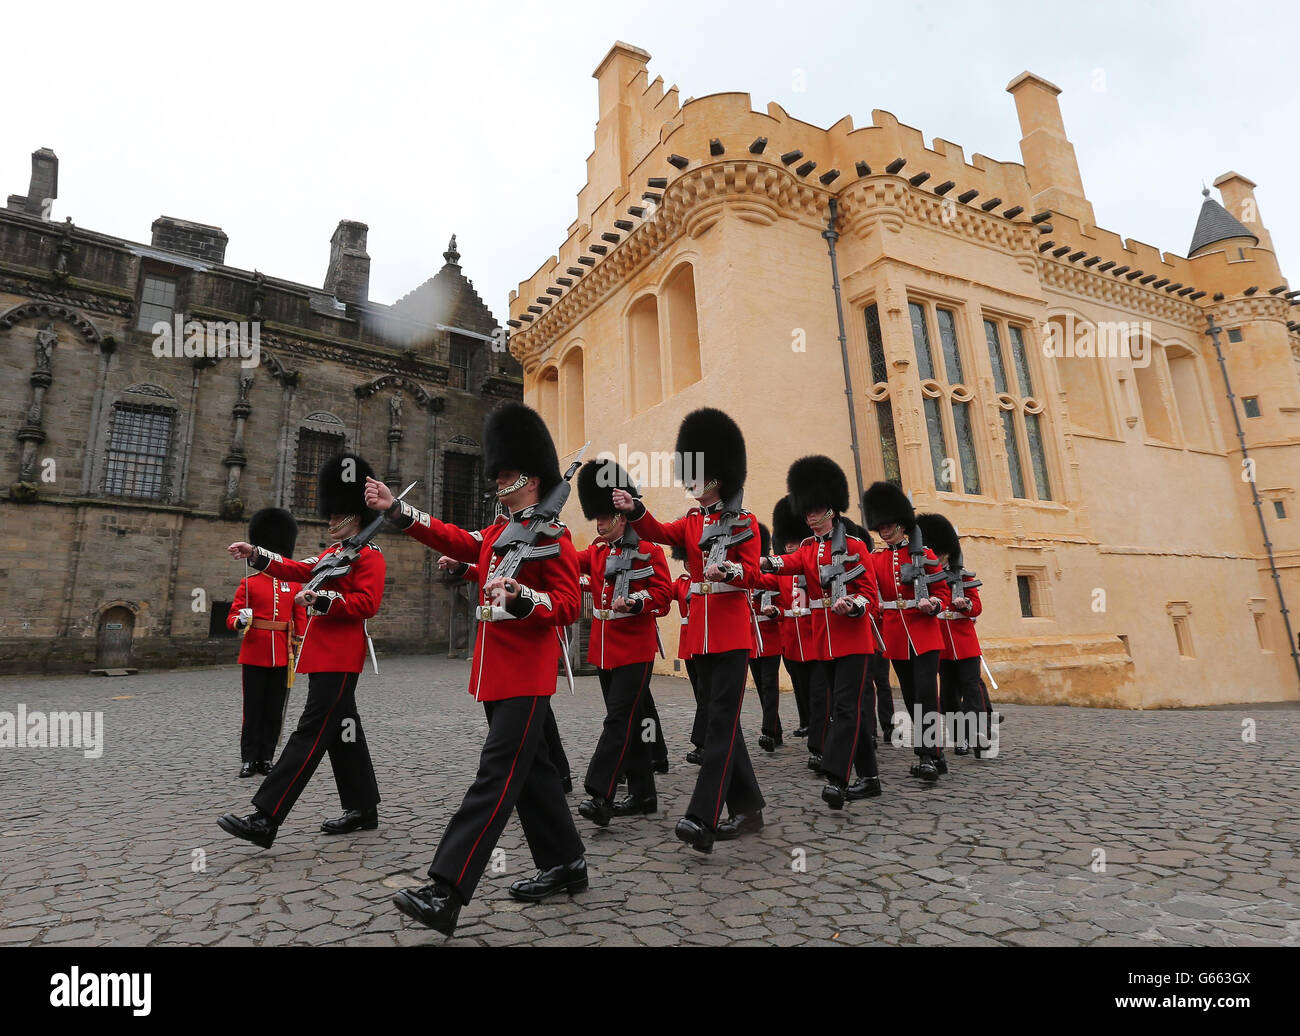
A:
(152, 398)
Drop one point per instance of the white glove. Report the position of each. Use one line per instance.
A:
(245, 616)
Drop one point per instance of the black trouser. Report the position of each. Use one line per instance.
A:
(515, 771)
(701, 719)
(726, 774)
(265, 692)
(962, 694)
(800, 674)
(659, 748)
(878, 668)
(554, 746)
(848, 740)
(918, 679)
(766, 671)
(622, 746)
(329, 723)
(819, 708)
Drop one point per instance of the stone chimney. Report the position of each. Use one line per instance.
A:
(44, 186)
(348, 276)
(1238, 195)
(615, 133)
(1050, 164)
(197, 240)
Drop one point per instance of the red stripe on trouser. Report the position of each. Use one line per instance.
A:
(722, 778)
(324, 723)
(631, 719)
(513, 763)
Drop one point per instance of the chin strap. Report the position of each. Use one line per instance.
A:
(514, 487)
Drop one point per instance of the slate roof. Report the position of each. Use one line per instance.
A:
(1216, 224)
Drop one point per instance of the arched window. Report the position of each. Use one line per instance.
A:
(1153, 393)
(644, 375)
(572, 394)
(1024, 423)
(683, 327)
(947, 399)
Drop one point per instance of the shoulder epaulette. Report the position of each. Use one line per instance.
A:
(374, 546)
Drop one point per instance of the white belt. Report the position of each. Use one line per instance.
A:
(952, 615)
(491, 613)
(764, 618)
(896, 605)
(606, 614)
(797, 613)
(713, 588)
(819, 603)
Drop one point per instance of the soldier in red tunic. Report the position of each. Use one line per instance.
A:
(765, 659)
(265, 611)
(908, 623)
(961, 691)
(710, 452)
(843, 597)
(798, 639)
(333, 654)
(624, 641)
(516, 658)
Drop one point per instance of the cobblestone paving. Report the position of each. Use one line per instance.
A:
(1199, 832)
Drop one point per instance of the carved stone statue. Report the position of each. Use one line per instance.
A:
(394, 410)
(46, 340)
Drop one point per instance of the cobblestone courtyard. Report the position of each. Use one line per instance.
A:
(1199, 832)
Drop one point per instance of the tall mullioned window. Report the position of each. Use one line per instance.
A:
(461, 350)
(157, 301)
(1023, 421)
(462, 492)
(947, 400)
(879, 396)
(139, 452)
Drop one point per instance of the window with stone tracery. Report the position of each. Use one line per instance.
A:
(947, 401)
(879, 396)
(1024, 425)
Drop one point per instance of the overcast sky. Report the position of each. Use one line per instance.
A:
(274, 120)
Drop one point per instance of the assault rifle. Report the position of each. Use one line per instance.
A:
(518, 543)
(913, 571)
(619, 570)
(725, 533)
(331, 566)
(836, 576)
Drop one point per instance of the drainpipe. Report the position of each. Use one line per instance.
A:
(832, 235)
(1214, 331)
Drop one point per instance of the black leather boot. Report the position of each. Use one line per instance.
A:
(597, 810)
(248, 769)
(694, 834)
(833, 794)
(436, 906)
(352, 820)
(739, 824)
(567, 877)
(257, 828)
(863, 788)
(632, 806)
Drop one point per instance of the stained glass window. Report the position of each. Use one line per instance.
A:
(1021, 359)
(876, 346)
(1037, 457)
(921, 337)
(970, 470)
(995, 356)
(948, 340)
(1013, 455)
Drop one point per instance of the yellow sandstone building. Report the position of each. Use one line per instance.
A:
(1046, 384)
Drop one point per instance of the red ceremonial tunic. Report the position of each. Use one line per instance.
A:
(958, 628)
(903, 626)
(514, 657)
(682, 594)
(270, 599)
(837, 635)
(767, 590)
(799, 630)
(628, 639)
(720, 619)
(335, 640)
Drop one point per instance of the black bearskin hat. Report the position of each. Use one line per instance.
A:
(787, 526)
(341, 488)
(940, 536)
(764, 540)
(816, 483)
(597, 480)
(711, 440)
(274, 529)
(515, 438)
(854, 529)
(884, 503)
